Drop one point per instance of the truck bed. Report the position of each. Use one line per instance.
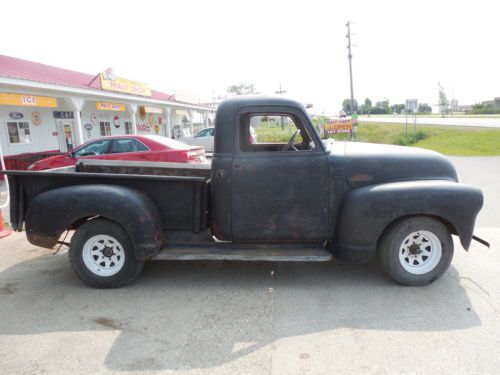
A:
(179, 191)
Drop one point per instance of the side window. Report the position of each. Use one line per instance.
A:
(211, 132)
(19, 132)
(127, 145)
(202, 133)
(141, 146)
(273, 132)
(128, 127)
(120, 146)
(100, 147)
(105, 128)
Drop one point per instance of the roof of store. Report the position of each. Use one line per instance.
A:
(12, 67)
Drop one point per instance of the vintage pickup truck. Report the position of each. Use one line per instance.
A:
(305, 200)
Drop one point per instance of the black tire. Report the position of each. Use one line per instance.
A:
(390, 244)
(131, 267)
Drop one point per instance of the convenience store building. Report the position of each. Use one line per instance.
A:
(48, 110)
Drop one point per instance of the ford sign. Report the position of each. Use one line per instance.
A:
(16, 115)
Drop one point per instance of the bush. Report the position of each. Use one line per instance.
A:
(411, 138)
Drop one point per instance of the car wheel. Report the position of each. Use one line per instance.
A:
(416, 251)
(102, 255)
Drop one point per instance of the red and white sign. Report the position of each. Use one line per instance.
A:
(144, 128)
(341, 125)
(116, 121)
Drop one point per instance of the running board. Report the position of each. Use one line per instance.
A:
(241, 254)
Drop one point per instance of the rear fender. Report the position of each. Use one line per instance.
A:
(367, 211)
(54, 211)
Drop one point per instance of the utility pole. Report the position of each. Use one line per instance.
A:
(348, 36)
(281, 91)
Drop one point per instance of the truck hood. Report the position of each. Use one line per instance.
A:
(368, 164)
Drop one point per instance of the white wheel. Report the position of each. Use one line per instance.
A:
(103, 255)
(420, 252)
(416, 250)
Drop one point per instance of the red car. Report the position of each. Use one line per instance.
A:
(126, 147)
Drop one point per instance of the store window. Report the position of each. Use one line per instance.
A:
(128, 127)
(19, 132)
(105, 127)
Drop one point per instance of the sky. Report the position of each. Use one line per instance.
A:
(402, 49)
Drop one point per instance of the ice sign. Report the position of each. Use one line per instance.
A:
(28, 100)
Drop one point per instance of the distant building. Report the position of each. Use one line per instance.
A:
(464, 108)
(493, 103)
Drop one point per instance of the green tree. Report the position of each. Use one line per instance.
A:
(424, 108)
(346, 106)
(366, 106)
(398, 108)
(241, 88)
(381, 108)
(444, 105)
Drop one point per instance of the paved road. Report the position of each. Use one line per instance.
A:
(483, 172)
(487, 122)
(235, 318)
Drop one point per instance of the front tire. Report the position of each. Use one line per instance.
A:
(102, 255)
(416, 251)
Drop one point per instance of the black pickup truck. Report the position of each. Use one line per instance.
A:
(304, 200)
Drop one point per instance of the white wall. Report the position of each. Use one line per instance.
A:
(150, 124)
(107, 116)
(43, 137)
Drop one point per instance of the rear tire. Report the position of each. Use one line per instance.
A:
(416, 251)
(102, 255)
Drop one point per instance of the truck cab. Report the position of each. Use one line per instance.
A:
(263, 191)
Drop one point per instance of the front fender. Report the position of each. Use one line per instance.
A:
(367, 211)
(54, 211)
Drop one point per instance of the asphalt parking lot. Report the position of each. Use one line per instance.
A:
(241, 318)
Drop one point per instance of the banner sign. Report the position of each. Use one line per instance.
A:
(107, 106)
(63, 114)
(341, 125)
(27, 100)
(124, 85)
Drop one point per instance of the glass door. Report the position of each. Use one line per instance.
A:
(65, 131)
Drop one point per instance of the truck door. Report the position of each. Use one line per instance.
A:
(279, 185)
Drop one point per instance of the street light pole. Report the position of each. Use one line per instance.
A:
(348, 36)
